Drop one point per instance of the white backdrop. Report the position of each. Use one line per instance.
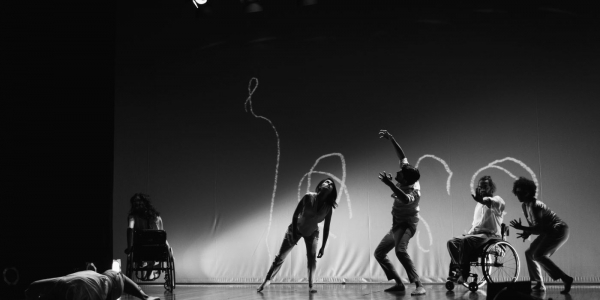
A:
(226, 179)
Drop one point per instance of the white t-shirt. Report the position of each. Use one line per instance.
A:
(488, 220)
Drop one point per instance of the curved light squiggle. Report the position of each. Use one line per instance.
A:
(428, 232)
(493, 165)
(445, 167)
(248, 106)
(342, 182)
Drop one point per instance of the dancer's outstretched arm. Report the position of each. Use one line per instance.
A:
(133, 289)
(388, 136)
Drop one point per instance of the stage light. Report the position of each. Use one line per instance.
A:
(201, 2)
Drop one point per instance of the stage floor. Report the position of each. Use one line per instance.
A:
(345, 292)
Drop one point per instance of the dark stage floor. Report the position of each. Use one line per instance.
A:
(346, 292)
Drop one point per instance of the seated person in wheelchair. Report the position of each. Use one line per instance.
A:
(143, 215)
(88, 285)
(487, 224)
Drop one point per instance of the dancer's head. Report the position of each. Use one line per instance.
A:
(141, 206)
(524, 189)
(486, 186)
(326, 187)
(408, 175)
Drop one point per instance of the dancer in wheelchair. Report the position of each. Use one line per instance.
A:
(552, 231)
(313, 209)
(487, 224)
(142, 215)
(405, 212)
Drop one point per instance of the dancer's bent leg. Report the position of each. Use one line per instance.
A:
(286, 247)
(385, 246)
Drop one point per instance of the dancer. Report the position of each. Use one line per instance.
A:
(553, 233)
(487, 224)
(405, 212)
(142, 215)
(313, 209)
(89, 285)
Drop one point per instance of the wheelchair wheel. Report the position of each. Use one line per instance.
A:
(500, 262)
(476, 276)
(473, 286)
(449, 285)
(172, 269)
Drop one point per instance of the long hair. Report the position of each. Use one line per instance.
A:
(332, 195)
(492, 184)
(141, 206)
(525, 185)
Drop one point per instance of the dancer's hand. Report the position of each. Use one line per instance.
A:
(385, 134)
(386, 178)
(516, 224)
(321, 252)
(477, 197)
(523, 235)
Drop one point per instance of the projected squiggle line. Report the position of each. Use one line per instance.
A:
(342, 182)
(493, 165)
(248, 104)
(445, 167)
(428, 232)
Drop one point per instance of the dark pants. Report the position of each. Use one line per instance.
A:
(463, 248)
(396, 239)
(289, 241)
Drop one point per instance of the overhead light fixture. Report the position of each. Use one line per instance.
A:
(201, 2)
(251, 6)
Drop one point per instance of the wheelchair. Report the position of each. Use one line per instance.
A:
(150, 256)
(496, 261)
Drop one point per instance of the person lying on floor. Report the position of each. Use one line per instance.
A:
(85, 285)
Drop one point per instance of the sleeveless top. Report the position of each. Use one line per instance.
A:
(312, 214)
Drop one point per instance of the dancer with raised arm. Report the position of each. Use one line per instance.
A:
(553, 233)
(405, 212)
(487, 224)
(313, 209)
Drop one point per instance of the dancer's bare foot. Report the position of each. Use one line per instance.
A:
(263, 285)
(152, 298)
(539, 287)
(568, 282)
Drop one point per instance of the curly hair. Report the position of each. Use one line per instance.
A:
(492, 184)
(525, 185)
(141, 206)
(410, 174)
(332, 197)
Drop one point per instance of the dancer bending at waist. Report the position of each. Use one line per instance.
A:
(553, 233)
(313, 209)
(405, 212)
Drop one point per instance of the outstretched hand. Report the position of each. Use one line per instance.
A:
(516, 224)
(478, 196)
(523, 235)
(385, 134)
(321, 252)
(386, 178)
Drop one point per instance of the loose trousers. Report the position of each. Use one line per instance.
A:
(396, 239)
(462, 248)
(540, 251)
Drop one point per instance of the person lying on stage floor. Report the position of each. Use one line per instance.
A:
(85, 285)
(405, 212)
(313, 209)
(553, 233)
(487, 224)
